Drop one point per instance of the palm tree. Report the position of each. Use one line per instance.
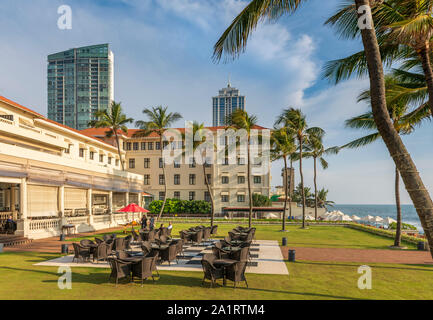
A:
(404, 120)
(197, 128)
(404, 29)
(240, 119)
(316, 150)
(234, 40)
(158, 121)
(323, 198)
(114, 120)
(283, 146)
(295, 122)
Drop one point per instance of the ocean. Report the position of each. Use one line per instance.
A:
(408, 212)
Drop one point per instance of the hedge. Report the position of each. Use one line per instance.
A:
(385, 233)
(180, 206)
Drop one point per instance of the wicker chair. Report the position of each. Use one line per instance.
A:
(220, 253)
(100, 253)
(240, 255)
(233, 236)
(151, 235)
(185, 236)
(155, 255)
(161, 240)
(80, 252)
(119, 269)
(119, 244)
(179, 248)
(210, 271)
(146, 247)
(127, 242)
(107, 238)
(169, 254)
(236, 272)
(122, 255)
(143, 269)
(198, 236)
(206, 233)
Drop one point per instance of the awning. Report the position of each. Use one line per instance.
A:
(224, 193)
(241, 193)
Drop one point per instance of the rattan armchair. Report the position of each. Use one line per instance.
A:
(119, 269)
(169, 254)
(236, 272)
(209, 270)
(143, 269)
(80, 252)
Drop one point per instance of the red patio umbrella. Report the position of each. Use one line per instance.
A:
(133, 208)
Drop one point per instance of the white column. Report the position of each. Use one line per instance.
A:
(62, 201)
(89, 205)
(127, 202)
(23, 223)
(110, 207)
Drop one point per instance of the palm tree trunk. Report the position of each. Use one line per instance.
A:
(315, 188)
(290, 188)
(424, 54)
(285, 192)
(302, 182)
(250, 196)
(165, 180)
(118, 150)
(397, 241)
(404, 163)
(212, 213)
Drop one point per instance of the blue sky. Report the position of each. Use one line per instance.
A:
(163, 51)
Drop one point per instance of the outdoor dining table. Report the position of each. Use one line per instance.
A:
(236, 242)
(231, 249)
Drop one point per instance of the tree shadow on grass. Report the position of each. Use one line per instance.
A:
(169, 280)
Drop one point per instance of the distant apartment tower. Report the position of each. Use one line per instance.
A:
(80, 82)
(225, 103)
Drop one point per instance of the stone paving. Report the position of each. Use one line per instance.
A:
(266, 259)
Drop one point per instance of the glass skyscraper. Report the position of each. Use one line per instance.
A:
(80, 82)
(225, 103)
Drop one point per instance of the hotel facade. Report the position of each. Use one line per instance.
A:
(185, 178)
(52, 176)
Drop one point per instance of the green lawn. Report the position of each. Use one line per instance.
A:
(315, 236)
(19, 279)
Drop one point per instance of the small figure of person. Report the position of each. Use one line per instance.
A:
(11, 225)
(143, 222)
(170, 226)
(152, 223)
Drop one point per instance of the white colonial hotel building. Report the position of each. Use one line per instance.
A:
(52, 175)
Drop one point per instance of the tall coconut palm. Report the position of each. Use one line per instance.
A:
(323, 198)
(283, 146)
(404, 119)
(295, 122)
(115, 121)
(234, 40)
(315, 149)
(404, 29)
(198, 128)
(240, 119)
(158, 121)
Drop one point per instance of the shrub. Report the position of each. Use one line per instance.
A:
(180, 206)
(404, 226)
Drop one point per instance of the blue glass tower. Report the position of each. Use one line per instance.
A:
(225, 103)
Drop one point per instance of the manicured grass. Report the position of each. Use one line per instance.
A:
(19, 279)
(314, 236)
